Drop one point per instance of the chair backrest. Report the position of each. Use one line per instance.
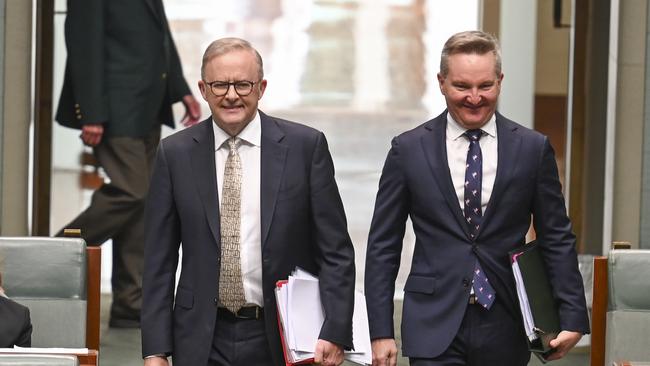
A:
(628, 317)
(50, 277)
(621, 308)
(37, 360)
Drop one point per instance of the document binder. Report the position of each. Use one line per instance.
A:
(301, 316)
(539, 309)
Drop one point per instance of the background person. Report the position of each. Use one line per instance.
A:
(15, 323)
(122, 76)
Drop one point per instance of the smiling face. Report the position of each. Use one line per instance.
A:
(233, 112)
(471, 88)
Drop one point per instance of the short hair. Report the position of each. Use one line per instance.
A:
(470, 42)
(226, 45)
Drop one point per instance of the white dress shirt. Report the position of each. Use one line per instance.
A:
(457, 147)
(251, 221)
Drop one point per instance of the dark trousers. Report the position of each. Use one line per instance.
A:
(239, 342)
(485, 338)
(117, 211)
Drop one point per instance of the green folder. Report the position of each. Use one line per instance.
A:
(543, 307)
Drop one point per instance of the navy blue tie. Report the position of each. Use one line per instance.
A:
(484, 292)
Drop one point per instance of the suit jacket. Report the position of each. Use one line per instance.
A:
(303, 224)
(416, 182)
(122, 67)
(15, 324)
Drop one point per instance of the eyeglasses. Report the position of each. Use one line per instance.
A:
(220, 88)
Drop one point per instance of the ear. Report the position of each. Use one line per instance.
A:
(203, 87)
(262, 88)
(441, 83)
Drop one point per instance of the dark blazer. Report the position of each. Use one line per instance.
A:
(416, 183)
(303, 224)
(122, 67)
(15, 324)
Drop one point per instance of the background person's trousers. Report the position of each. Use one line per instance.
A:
(117, 211)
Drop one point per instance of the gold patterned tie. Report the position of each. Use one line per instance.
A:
(231, 288)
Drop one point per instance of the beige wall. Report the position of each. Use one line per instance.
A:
(629, 120)
(552, 63)
(16, 117)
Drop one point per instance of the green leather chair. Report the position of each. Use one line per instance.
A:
(37, 360)
(628, 317)
(621, 307)
(51, 277)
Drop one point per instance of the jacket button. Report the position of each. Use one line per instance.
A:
(216, 301)
(465, 282)
(164, 75)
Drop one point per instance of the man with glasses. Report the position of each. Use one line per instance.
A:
(249, 197)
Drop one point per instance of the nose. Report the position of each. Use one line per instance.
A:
(231, 94)
(474, 96)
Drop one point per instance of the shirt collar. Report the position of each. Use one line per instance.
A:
(455, 131)
(251, 134)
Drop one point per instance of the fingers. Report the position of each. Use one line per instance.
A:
(384, 352)
(192, 111)
(328, 353)
(91, 134)
(563, 344)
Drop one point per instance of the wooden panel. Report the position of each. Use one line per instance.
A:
(93, 297)
(599, 312)
(43, 118)
(550, 119)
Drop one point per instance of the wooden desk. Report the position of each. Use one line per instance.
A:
(90, 359)
(85, 359)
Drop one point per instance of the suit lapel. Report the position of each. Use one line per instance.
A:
(435, 150)
(273, 161)
(508, 144)
(204, 173)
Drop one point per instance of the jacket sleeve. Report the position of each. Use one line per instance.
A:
(554, 233)
(178, 87)
(162, 241)
(25, 337)
(336, 253)
(385, 245)
(85, 44)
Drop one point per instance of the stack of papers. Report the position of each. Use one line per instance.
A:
(529, 323)
(301, 316)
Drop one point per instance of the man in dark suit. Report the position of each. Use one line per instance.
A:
(122, 76)
(15, 323)
(250, 197)
(469, 179)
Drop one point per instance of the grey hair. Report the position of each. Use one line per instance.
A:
(226, 45)
(470, 42)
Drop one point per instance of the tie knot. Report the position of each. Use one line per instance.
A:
(474, 135)
(233, 143)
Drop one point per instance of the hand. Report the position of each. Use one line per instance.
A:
(384, 352)
(192, 111)
(91, 133)
(328, 353)
(156, 361)
(563, 343)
